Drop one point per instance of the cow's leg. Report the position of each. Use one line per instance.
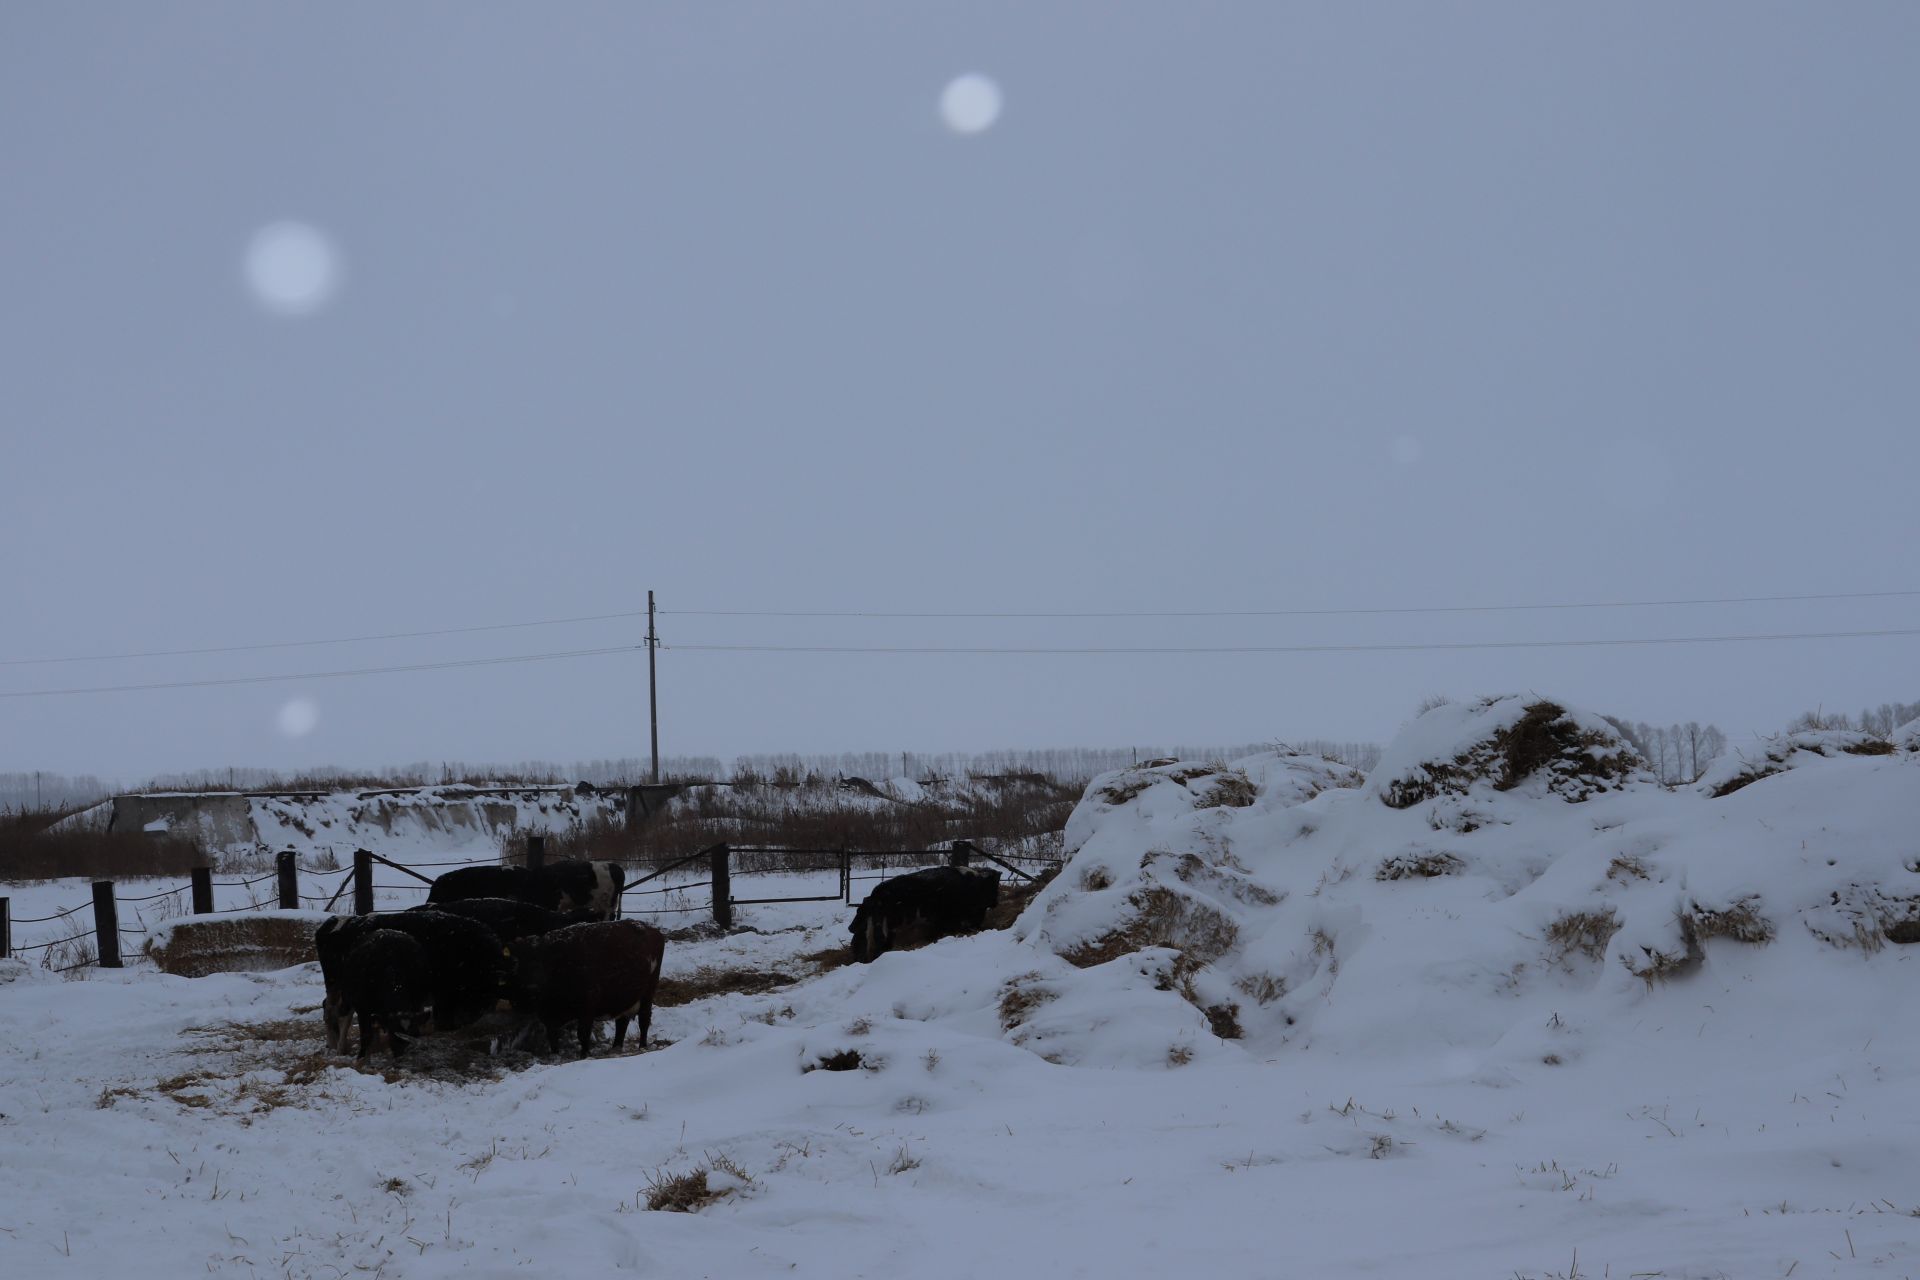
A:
(646, 1023)
(620, 1031)
(553, 1037)
(366, 1035)
(586, 1036)
(396, 1039)
(336, 1030)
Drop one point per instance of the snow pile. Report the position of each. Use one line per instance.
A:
(1738, 769)
(1499, 744)
(1509, 862)
(1906, 737)
(1789, 751)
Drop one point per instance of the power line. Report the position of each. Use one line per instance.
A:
(1007, 650)
(304, 644)
(1003, 614)
(1294, 613)
(1287, 648)
(328, 675)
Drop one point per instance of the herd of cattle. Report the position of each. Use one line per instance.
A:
(549, 946)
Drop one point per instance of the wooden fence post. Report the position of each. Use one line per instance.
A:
(106, 925)
(289, 881)
(536, 852)
(718, 858)
(961, 855)
(6, 927)
(363, 882)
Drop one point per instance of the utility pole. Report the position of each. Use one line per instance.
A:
(653, 697)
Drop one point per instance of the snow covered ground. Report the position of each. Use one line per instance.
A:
(1484, 1023)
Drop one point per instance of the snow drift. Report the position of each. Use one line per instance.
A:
(1509, 864)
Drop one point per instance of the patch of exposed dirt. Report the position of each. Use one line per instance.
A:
(702, 983)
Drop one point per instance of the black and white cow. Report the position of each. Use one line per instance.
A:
(583, 886)
(921, 906)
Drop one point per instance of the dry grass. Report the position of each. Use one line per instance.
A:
(828, 958)
(1323, 949)
(680, 1192)
(1232, 789)
(1418, 866)
(1020, 996)
(27, 854)
(1626, 867)
(1191, 868)
(1584, 933)
(1129, 787)
(212, 944)
(1740, 920)
(1655, 965)
(704, 983)
(245, 1069)
(1261, 988)
(1162, 918)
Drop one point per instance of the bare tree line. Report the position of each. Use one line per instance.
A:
(1677, 753)
(1878, 721)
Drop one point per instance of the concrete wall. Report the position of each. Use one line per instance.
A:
(216, 821)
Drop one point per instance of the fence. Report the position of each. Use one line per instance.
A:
(107, 932)
(879, 864)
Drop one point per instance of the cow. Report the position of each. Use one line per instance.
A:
(928, 904)
(468, 965)
(557, 886)
(331, 942)
(509, 918)
(483, 882)
(583, 886)
(585, 972)
(387, 980)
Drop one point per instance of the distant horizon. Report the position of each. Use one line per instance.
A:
(632, 768)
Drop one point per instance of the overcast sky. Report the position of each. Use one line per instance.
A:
(319, 321)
